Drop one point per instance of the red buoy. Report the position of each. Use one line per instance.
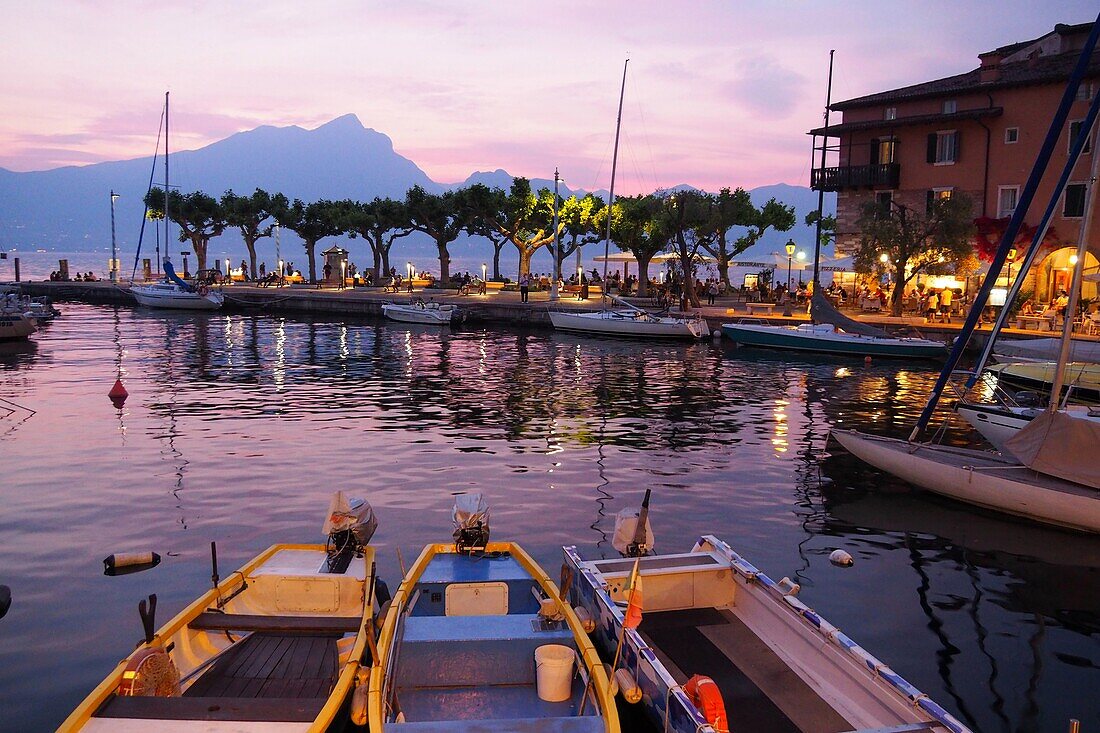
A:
(118, 394)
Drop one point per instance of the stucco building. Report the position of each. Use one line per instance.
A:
(977, 133)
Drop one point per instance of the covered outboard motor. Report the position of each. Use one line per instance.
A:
(633, 534)
(349, 527)
(471, 520)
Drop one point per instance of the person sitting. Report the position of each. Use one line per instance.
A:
(1028, 308)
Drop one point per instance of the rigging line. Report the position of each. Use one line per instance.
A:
(152, 172)
(646, 139)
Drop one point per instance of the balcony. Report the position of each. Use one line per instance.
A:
(855, 176)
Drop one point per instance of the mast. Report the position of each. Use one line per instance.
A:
(821, 190)
(1075, 284)
(167, 221)
(611, 192)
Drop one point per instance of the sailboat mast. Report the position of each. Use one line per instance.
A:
(611, 192)
(821, 190)
(1075, 284)
(167, 221)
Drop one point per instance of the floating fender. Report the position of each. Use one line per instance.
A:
(705, 695)
(841, 559)
(628, 686)
(124, 559)
(717, 334)
(587, 622)
(5, 600)
(358, 711)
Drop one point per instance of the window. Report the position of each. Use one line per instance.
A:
(883, 150)
(950, 106)
(943, 147)
(883, 199)
(936, 194)
(1074, 132)
(1007, 196)
(1084, 92)
(1012, 134)
(890, 114)
(1073, 205)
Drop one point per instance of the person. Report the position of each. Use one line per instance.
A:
(931, 307)
(712, 292)
(327, 271)
(1028, 308)
(244, 271)
(524, 287)
(1061, 302)
(263, 270)
(945, 304)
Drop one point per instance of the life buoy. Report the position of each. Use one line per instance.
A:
(705, 695)
(203, 290)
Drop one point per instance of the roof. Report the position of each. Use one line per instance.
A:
(1028, 72)
(966, 114)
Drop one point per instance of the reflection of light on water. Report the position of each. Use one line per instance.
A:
(344, 351)
(781, 429)
(227, 332)
(482, 357)
(843, 372)
(278, 371)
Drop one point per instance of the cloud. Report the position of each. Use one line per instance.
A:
(766, 87)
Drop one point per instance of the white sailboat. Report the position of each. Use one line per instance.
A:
(627, 319)
(173, 292)
(1052, 476)
(830, 332)
(419, 311)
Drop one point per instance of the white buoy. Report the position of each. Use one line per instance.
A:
(628, 687)
(124, 559)
(841, 559)
(587, 622)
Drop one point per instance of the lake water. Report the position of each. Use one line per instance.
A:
(238, 428)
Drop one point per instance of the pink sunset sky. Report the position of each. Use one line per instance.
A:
(718, 93)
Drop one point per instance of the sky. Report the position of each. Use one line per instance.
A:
(717, 93)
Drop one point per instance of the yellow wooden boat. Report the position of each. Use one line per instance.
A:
(480, 639)
(275, 647)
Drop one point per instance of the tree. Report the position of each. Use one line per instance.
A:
(582, 221)
(484, 207)
(200, 217)
(526, 220)
(735, 209)
(438, 216)
(379, 222)
(689, 219)
(248, 213)
(312, 222)
(902, 238)
(636, 228)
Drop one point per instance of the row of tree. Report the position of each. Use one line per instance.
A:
(687, 223)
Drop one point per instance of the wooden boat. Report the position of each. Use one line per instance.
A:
(459, 645)
(828, 339)
(419, 311)
(630, 322)
(276, 646)
(980, 478)
(777, 663)
(1082, 379)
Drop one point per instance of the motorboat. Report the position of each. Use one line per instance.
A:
(420, 311)
(41, 309)
(998, 422)
(1045, 349)
(276, 646)
(15, 325)
(723, 647)
(828, 339)
(477, 638)
(1081, 384)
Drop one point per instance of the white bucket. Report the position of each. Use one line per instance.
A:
(554, 672)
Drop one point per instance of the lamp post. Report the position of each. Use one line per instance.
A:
(114, 247)
(484, 270)
(229, 270)
(557, 258)
(790, 256)
(343, 273)
(185, 254)
(409, 270)
(1011, 259)
(277, 255)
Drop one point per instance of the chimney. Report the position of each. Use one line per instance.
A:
(990, 69)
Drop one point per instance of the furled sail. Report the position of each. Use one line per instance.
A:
(822, 311)
(1059, 445)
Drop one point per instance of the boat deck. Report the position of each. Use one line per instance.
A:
(760, 691)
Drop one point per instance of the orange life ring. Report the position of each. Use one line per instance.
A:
(705, 695)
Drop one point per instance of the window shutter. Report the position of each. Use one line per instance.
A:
(958, 143)
(874, 151)
(929, 199)
(932, 147)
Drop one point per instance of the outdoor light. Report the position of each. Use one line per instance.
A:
(343, 273)
(1011, 259)
(114, 248)
(1072, 260)
(228, 271)
(801, 256)
(790, 255)
(484, 269)
(884, 258)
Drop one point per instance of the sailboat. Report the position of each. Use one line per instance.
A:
(173, 292)
(627, 319)
(1052, 477)
(829, 331)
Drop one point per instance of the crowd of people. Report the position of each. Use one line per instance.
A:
(81, 277)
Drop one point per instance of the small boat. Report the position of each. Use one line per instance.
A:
(275, 646)
(420, 311)
(176, 296)
(15, 325)
(985, 479)
(1045, 349)
(629, 321)
(828, 339)
(40, 309)
(1082, 379)
(998, 423)
(477, 638)
(719, 637)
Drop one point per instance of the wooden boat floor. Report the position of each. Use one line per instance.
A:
(485, 702)
(715, 643)
(272, 665)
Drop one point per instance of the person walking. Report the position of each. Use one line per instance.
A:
(712, 291)
(244, 271)
(524, 287)
(945, 304)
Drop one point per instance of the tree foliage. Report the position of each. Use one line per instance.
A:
(312, 222)
(252, 215)
(637, 228)
(199, 216)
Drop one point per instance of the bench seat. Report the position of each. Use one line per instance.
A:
(214, 621)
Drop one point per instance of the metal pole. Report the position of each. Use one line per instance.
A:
(557, 245)
(611, 191)
(789, 258)
(114, 247)
(821, 191)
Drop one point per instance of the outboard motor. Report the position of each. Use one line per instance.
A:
(349, 526)
(633, 535)
(471, 520)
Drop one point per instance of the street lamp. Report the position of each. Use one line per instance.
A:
(228, 270)
(484, 270)
(185, 254)
(791, 246)
(1011, 259)
(409, 269)
(343, 273)
(114, 247)
(557, 258)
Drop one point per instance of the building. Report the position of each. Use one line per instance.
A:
(977, 133)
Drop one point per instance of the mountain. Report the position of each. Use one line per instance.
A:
(69, 209)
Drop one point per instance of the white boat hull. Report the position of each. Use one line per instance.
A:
(419, 313)
(15, 326)
(634, 324)
(979, 478)
(156, 296)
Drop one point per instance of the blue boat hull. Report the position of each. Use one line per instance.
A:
(784, 337)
